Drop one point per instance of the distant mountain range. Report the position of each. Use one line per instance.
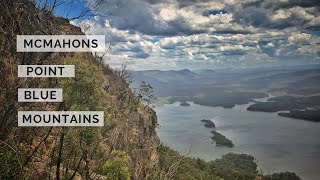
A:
(166, 76)
(205, 76)
(231, 86)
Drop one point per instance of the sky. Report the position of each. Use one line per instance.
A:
(206, 34)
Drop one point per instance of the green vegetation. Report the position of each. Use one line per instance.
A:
(117, 167)
(208, 123)
(282, 103)
(282, 176)
(235, 166)
(219, 98)
(227, 99)
(306, 108)
(184, 104)
(306, 114)
(146, 94)
(229, 167)
(221, 140)
(86, 90)
(10, 166)
(69, 152)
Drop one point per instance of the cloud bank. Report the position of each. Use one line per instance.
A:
(177, 34)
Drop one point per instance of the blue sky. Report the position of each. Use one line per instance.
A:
(178, 34)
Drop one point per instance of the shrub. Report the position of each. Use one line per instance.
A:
(117, 167)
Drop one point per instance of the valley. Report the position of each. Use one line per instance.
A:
(293, 87)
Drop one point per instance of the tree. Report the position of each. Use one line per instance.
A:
(282, 176)
(117, 167)
(90, 9)
(125, 73)
(146, 94)
(84, 92)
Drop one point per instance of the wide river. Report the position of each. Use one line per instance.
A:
(277, 143)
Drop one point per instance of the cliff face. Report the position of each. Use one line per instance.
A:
(135, 131)
(37, 152)
(136, 135)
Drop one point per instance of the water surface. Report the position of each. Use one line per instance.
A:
(277, 143)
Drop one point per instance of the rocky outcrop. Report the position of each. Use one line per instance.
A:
(130, 126)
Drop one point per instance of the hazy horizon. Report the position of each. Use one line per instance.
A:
(304, 66)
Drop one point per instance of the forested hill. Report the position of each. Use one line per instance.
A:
(127, 147)
(36, 153)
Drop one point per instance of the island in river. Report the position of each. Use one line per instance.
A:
(306, 107)
(184, 104)
(221, 140)
(208, 123)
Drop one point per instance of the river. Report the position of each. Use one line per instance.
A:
(277, 143)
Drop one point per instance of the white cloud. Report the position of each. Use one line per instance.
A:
(270, 45)
(280, 15)
(230, 47)
(301, 13)
(173, 33)
(315, 21)
(310, 49)
(299, 38)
